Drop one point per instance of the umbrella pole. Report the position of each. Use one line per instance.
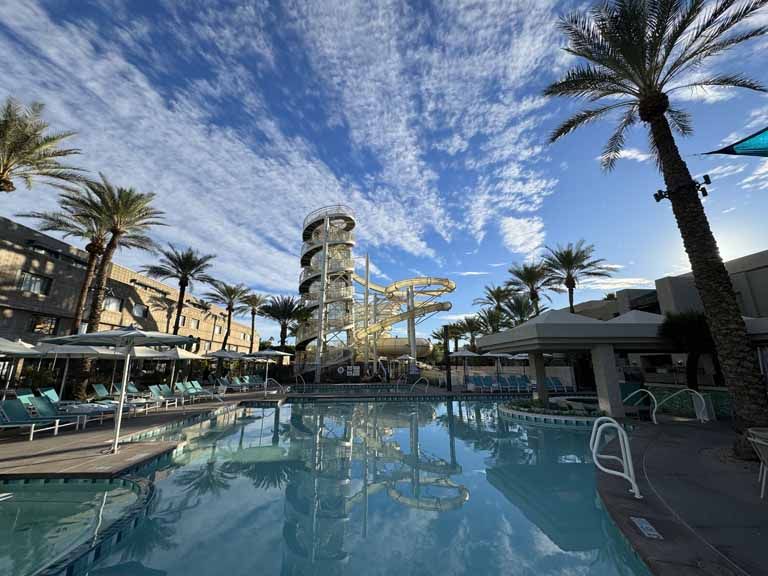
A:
(112, 381)
(121, 403)
(266, 377)
(173, 372)
(64, 378)
(11, 369)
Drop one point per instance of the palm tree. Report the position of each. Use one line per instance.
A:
(567, 265)
(689, 332)
(519, 309)
(639, 52)
(126, 214)
(532, 279)
(85, 225)
(492, 319)
(28, 151)
(494, 296)
(254, 302)
(185, 266)
(230, 297)
(284, 310)
(165, 305)
(471, 326)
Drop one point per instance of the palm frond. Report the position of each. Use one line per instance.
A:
(680, 121)
(584, 117)
(615, 145)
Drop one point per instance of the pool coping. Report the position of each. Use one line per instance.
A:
(81, 558)
(581, 422)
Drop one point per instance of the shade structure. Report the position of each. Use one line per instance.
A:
(69, 351)
(179, 354)
(498, 357)
(464, 353)
(224, 355)
(11, 349)
(127, 338)
(753, 145)
(269, 353)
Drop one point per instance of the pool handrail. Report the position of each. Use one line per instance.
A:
(701, 415)
(653, 398)
(627, 472)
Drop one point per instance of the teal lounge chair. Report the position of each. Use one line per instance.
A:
(195, 385)
(13, 414)
(157, 395)
(47, 409)
(488, 384)
(131, 405)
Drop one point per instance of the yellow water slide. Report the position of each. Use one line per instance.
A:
(397, 292)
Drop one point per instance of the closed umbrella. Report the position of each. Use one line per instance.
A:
(268, 354)
(498, 356)
(128, 339)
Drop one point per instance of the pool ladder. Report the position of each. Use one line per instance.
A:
(627, 471)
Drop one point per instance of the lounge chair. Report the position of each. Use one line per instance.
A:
(13, 414)
(133, 404)
(166, 401)
(194, 385)
(67, 406)
(44, 408)
(525, 382)
(488, 384)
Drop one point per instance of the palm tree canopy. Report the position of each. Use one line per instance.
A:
(124, 212)
(530, 277)
(28, 151)
(492, 319)
(566, 265)
(520, 309)
(641, 51)
(493, 296)
(228, 296)
(282, 309)
(87, 226)
(255, 302)
(185, 266)
(687, 330)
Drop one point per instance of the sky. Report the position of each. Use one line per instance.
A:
(426, 118)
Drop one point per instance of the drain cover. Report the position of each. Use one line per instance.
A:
(646, 528)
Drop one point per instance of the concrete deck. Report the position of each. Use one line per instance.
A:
(85, 454)
(705, 504)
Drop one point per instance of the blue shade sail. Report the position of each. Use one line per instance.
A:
(754, 145)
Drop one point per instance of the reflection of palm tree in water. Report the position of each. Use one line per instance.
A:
(211, 478)
(156, 529)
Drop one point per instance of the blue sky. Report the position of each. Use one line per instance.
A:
(426, 118)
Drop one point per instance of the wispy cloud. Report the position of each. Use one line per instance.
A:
(632, 154)
(523, 235)
(616, 283)
(471, 273)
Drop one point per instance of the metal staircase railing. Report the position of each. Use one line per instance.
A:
(700, 410)
(653, 399)
(599, 428)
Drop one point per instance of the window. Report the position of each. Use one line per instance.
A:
(182, 320)
(43, 325)
(34, 283)
(218, 329)
(140, 311)
(194, 323)
(244, 336)
(113, 304)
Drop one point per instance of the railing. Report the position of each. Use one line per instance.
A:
(701, 410)
(600, 426)
(328, 210)
(334, 235)
(332, 294)
(333, 266)
(653, 399)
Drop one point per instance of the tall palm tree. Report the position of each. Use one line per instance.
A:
(531, 278)
(455, 331)
(184, 266)
(519, 309)
(283, 310)
(127, 215)
(88, 226)
(492, 319)
(567, 265)
(493, 296)
(230, 297)
(28, 151)
(638, 53)
(254, 302)
(472, 327)
(165, 305)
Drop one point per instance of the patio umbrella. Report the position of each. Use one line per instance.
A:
(498, 356)
(268, 354)
(68, 351)
(127, 338)
(224, 355)
(10, 349)
(179, 354)
(464, 353)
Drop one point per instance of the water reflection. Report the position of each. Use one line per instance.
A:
(379, 488)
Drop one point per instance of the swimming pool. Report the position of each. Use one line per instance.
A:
(375, 488)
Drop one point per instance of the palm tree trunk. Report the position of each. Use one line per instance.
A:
(535, 301)
(229, 325)
(253, 330)
(570, 300)
(737, 357)
(179, 305)
(167, 323)
(100, 284)
(82, 298)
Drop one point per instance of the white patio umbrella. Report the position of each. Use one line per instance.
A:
(498, 356)
(464, 353)
(10, 349)
(179, 354)
(126, 338)
(224, 355)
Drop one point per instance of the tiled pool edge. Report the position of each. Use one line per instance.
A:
(581, 422)
(81, 558)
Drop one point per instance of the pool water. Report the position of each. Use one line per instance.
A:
(41, 521)
(375, 488)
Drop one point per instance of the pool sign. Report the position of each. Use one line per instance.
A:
(646, 528)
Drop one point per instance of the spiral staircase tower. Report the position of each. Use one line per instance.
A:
(326, 288)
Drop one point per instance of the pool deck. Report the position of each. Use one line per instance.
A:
(705, 504)
(85, 454)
